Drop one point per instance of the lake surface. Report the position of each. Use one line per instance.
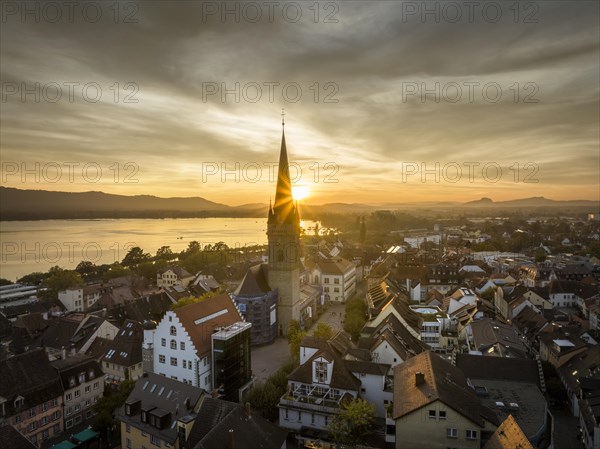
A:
(28, 246)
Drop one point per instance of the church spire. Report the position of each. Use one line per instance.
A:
(284, 202)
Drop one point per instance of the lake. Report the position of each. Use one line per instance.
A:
(28, 246)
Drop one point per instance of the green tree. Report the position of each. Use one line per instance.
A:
(58, 280)
(134, 256)
(264, 398)
(295, 336)
(33, 278)
(193, 300)
(115, 270)
(105, 406)
(323, 331)
(86, 269)
(165, 253)
(4, 282)
(354, 422)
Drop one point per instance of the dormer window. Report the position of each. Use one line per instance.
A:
(81, 378)
(72, 381)
(19, 401)
(321, 372)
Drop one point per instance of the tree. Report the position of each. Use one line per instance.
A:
(295, 336)
(323, 331)
(134, 257)
(354, 422)
(192, 300)
(105, 406)
(165, 253)
(5, 282)
(116, 270)
(86, 269)
(59, 280)
(33, 278)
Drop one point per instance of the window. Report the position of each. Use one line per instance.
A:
(154, 440)
(312, 418)
(128, 428)
(163, 341)
(161, 359)
(173, 330)
(88, 402)
(173, 361)
(89, 414)
(17, 419)
(32, 412)
(45, 434)
(471, 434)
(81, 378)
(69, 423)
(432, 414)
(190, 364)
(77, 419)
(44, 407)
(321, 371)
(451, 433)
(182, 345)
(77, 393)
(32, 426)
(43, 421)
(286, 413)
(55, 416)
(88, 389)
(68, 411)
(96, 385)
(442, 414)
(128, 443)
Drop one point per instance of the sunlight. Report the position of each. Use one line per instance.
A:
(300, 192)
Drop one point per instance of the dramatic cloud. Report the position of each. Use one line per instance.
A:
(496, 93)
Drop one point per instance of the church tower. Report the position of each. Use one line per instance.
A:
(283, 232)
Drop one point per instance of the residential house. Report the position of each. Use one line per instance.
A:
(11, 438)
(173, 276)
(83, 384)
(337, 276)
(123, 357)
(510, 386)
(33, 395)
(508, 435)
(492, 338)
(80, 298)
(435, 407)
(560, 346)
(159, 412)
(224, 424)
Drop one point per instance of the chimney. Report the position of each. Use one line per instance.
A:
(231, 441)
(63, 353)
(419, 378)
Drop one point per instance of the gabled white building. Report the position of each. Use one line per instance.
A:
(183, 338)
(80, 299)
(173, 276)
(337, 276)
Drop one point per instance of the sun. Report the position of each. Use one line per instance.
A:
(300, 192)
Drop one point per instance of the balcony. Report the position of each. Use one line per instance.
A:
(310, 403)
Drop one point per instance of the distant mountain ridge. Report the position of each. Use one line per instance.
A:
(19, 204)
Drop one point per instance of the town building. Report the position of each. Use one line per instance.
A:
(173, 276)
(83, 384)
(183, 340)
(258, 304)
(80, 298)
(32, 396)
(123, 357)
(159, 412)
(433, 406)
(337, 276)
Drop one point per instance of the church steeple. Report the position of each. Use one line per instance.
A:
(284, 209)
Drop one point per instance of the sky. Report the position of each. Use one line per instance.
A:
(384, 101)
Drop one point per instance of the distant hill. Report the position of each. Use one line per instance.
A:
(18, 204)
(536, 201)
